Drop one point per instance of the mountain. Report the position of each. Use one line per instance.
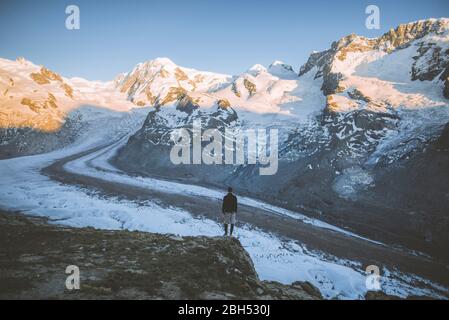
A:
(36, 97)
(39, 109)
(362, 134)
(160, 81)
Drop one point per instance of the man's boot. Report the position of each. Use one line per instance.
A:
(226, 229)
(232, 229)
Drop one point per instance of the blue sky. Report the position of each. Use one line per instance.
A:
(226, 36)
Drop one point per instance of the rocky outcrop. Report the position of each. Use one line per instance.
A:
(128, 265)
(322, 61)
(223, 104)
(45, 76)
(251, 87)
(235, 90)
(186, 104)
(445, 78)
(379, 295)
(446, 88)
(405, 33)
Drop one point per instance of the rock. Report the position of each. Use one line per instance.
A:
(309, 288)
(379, 295)
(223, 104)
(446, 88)
(185, 268)
(251, 87)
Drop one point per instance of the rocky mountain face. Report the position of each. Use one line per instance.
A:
(362, 135)
(429, 37)
(129, 265)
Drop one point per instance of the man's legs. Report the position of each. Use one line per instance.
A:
(226, 229)
(232, 220)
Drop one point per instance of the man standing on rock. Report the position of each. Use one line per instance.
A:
(229, 210)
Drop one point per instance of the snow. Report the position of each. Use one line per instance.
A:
(280, 95)
(160, 75)
(256, 69)
(282, 70)
(24, 188)
(386, 78)
(352, 181)
(96, 165)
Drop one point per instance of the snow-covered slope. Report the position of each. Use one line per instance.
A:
(259, 95)
(398, 80)
(35, 97)
(406, 67)
(273, 90)
(161, 81)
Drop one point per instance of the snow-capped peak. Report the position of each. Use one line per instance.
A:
(155, 65)
(278, 63)
(161, 81)
(163, 61)
(23, 61)
(256, 69)
(280, 69)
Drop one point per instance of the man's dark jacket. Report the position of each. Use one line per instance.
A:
(229, 203)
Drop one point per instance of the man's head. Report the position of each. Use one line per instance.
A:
(229, 189)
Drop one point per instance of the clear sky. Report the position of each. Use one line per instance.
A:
(227, 36)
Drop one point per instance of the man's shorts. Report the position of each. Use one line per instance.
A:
(229, 218)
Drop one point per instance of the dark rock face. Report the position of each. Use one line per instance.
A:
(379, 295)
(186, 104)
(446, 88)
(323, 62)
(445, 78)
(15, 142)
(128, 265)
(430, 62)
(148, 151)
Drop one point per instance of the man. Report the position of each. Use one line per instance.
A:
(229, 210)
